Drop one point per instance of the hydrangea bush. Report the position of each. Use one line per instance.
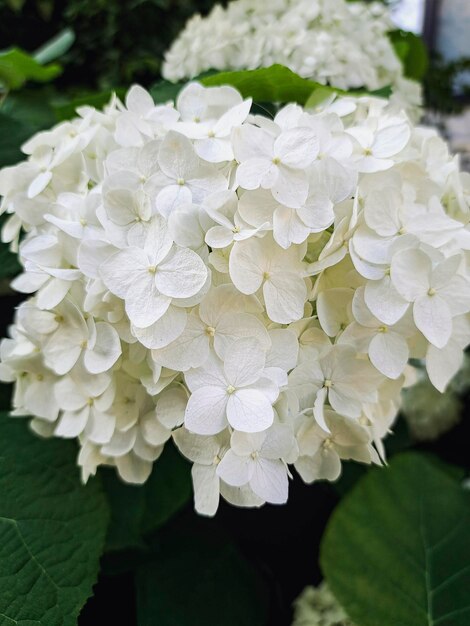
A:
(334, 42)
(251, 287)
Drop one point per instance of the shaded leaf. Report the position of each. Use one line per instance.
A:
(198, 577)
(137, 510)
(396, 551)
(164, 91)
(52, 529)
(412, 52)
(16, 67)
(271, 84)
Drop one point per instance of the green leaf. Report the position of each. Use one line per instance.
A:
(66, 108)
(396, 551)
(16, 67)
(271, 84)
(22, 115)
(13, 134)
(9, 264)
(136, 511)
(198, 578)
(56, 47)
(52, 529)
(164, 91)
(412, 52)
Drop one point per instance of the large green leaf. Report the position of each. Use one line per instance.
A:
(164, 91)
(198, 578)
(397, 549)
(138, 510)
(52, 529)
(271, 84)
(412, 52)
(16, 67)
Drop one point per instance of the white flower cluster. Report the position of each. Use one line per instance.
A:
(252, 288)
(344, 44)
(317, 606)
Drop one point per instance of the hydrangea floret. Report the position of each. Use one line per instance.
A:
(251, 288)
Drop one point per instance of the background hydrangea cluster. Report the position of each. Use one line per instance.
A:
(341, 43)
(251, 287)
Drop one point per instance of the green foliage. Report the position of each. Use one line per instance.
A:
(164, 91)
(440, 83)
(271, 84)
(412, 52)
(198, 578)
(52, 529)
(139, 510)
(396, 551)
(17, 67)
(117, 42)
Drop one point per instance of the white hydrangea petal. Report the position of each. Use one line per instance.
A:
(232, 326)
(214, 149)
(234, 469)
(250, 142)
(139, 100)
(244, 362)
(68, 395)
(442, 364)
(133, 469)
(384, 301)
(327, 465)
(249, 410)
(257, 172)
(165, 330)
(433, 318)
(269, 481)
(171, 406)
(121, 270)
(390, 141)
(219, 237)
(72, 423)
(202, 450)
(284, 350)
(172, 197)
(100, 427)
(297, 147)
(153, 431)
(212, 374)
(411, 273)
(106, 350)
(285, 296)
(389, 353)
(206, 411)
(182, 274)
(288, 228)
(144, 303)
(290, 187)
(120, 444)
(206, 489)
(246, 264)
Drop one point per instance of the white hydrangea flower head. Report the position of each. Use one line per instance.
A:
(249, 288)
(317, 606)
(335, 42)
